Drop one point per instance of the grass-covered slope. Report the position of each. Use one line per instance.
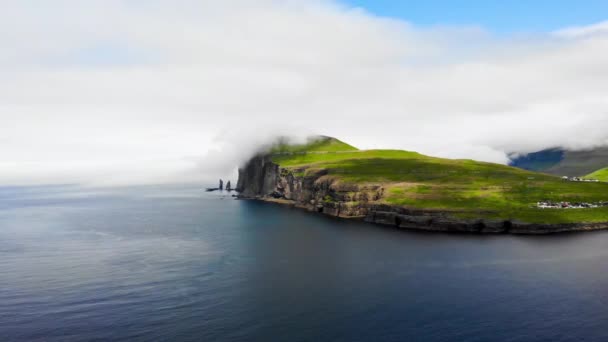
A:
(467, 188)
(313, 144)
(601, 175)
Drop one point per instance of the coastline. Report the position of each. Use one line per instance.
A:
(264, 180)
(402, 218)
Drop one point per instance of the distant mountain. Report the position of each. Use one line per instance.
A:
(563, 163)
(539, 161)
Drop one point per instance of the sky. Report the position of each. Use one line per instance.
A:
(499, 17)
(131, 91)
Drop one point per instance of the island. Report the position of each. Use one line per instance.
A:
(410, 190)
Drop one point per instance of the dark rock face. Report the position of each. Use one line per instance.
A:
(258, 178)
(261, 179)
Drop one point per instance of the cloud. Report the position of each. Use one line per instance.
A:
(150, 91)
(584, 31)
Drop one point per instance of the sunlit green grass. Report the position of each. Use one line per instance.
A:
(601, 175)
(466, 187)
(319, 144)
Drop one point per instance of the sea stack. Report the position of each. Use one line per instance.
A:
(221, 184)
(228, 186)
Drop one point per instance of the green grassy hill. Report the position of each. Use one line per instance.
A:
(601, 175)
(469, 189)
(314, 144)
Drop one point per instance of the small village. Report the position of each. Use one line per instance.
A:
(570, 205)
(579, 179)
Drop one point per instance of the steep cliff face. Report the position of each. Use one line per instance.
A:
(262, 179)
(258, 178)
(316, 190)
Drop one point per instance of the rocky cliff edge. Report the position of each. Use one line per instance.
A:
(317, 191)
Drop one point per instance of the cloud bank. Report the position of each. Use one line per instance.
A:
(159, 91)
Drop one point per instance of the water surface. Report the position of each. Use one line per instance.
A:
(176, 263)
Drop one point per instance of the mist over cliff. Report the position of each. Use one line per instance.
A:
(129, 92)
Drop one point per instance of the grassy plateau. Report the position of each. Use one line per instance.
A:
(467, 188)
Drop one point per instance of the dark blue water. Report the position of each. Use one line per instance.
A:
(175, 263)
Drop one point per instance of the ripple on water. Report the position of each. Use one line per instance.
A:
(176, 264)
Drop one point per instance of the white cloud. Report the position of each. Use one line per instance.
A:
(585, 31)
(143, 91)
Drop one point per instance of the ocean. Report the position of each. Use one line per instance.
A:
(175, 263)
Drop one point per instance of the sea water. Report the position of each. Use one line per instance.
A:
(180, 264)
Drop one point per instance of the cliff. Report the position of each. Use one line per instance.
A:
(258, 178)
(409, 190)
(264, 180)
